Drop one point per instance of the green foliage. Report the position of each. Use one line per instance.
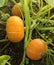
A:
(27, 61)
(3, 3)
(5, 16)
(50, 2)
(4, 59)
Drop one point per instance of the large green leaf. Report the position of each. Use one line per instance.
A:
(3, 2)
(4, 59)
(50, 2)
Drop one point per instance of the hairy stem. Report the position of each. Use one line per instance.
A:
(27, 24)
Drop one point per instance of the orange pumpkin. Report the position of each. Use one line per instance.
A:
(36, 49)
(15, 10)
(15, 29)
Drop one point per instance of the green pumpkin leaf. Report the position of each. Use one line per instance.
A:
(50, 2)
(3, 2)
(4, 59)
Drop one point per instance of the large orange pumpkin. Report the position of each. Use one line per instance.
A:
(36, 49)
(15, 29)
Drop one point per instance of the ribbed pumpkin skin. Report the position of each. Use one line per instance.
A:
(36, 49)
(15, 29)
(15, 9)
